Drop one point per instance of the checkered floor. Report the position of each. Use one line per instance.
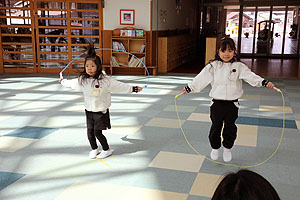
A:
(44, 148)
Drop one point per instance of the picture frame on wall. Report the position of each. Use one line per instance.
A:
(127, 17)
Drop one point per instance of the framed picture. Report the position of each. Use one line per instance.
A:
(127, 17)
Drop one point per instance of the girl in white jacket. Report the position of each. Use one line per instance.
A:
(97, 87)
(225, 74)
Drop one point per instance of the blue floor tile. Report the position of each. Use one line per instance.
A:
(7, 178)
(32, 132)
(266, 122)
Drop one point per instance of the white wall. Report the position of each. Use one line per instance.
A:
(111, 13)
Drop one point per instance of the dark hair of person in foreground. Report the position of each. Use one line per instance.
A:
(245, 185)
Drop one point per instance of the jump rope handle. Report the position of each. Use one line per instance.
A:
(178, 95)
(275, 88)
(60, 77)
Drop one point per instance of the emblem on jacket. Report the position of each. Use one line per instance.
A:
(95, 92)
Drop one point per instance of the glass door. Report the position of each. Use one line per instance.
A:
(232, 22)
(248, 37)
(264, 28)
(291, 31)
(270, 31)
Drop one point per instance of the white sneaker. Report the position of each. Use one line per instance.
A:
(105, 154)
(214, 154)
(93, 153)
(227, 156)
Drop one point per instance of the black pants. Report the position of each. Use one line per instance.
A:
(223, 112)
(96, 122)
(93, 134)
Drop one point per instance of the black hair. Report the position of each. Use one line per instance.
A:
(245, 185)
(225, 43)
(91, 55)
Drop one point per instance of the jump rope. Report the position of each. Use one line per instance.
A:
(179, 121)
(99, 49)
(228, 164)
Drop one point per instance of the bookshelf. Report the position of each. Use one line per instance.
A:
(174, 51)
(125, 63)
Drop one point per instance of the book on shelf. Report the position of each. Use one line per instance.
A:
(130, 61)
(133, 62)
(118, 46)
(136, 62)
(133, 33)
(114, 62)
(129, 33)
(123, 33)
(142, 49)
(142, 62)
(139, 33)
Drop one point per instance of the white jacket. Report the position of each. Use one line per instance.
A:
(225, 79)
(97, 95)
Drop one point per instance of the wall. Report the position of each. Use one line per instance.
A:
(169, 19)
(111, 13)
(154, 14)
(164, 15)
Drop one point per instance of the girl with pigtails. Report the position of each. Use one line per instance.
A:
(97, 88)
(225, 75)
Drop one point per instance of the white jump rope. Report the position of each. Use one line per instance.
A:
(228, 164)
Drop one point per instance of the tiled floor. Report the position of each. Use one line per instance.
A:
(44, 148)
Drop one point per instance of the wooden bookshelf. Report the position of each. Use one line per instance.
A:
(129, 46)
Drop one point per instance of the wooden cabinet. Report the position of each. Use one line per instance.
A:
(174, 51)
(126, 50)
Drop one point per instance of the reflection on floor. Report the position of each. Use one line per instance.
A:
(275, 46)
(279, 68)
(44, 148)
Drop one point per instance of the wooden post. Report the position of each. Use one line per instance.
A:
(35, 36)
(1, 55)
(69, 70)
(211, 45)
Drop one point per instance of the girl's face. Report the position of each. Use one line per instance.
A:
(90, 68)
(226, 55)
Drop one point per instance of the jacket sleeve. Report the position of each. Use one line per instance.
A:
(204, 78)
(72, 83)
(250, 77)
(118, 86)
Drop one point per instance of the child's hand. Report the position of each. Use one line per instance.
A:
(60, 77)
(136, 89)
(270, 85)
(183, 91)
(139, 89)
